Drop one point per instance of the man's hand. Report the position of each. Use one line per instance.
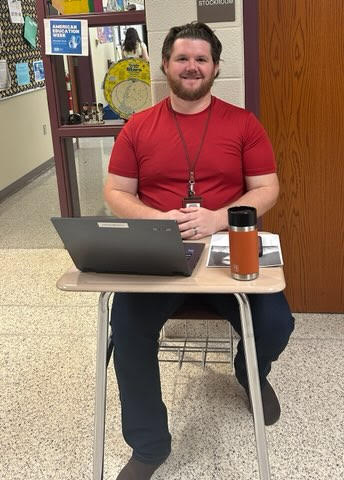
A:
(197, 222)
(175, 214)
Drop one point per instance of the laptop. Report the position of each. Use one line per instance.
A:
(112, 245)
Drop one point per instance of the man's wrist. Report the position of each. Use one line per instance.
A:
(221, 219)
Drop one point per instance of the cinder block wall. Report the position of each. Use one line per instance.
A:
(161, 15)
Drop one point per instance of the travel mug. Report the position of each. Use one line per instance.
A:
(243, 242)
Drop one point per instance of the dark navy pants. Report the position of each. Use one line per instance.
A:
(136, 321)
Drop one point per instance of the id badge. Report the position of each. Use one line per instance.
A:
(192, 202)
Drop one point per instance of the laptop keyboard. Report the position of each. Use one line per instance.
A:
(188, 251)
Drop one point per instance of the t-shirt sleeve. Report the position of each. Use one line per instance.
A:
(144, 51)
(123, 159)
(258, 155)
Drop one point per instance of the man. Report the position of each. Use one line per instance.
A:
(188, 158)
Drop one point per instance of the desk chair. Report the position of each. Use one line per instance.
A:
(179, 344)
(184, 347)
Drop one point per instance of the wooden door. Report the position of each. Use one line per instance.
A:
(301, 48)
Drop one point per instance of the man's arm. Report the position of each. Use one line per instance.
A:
(262, 193)
(121, 195)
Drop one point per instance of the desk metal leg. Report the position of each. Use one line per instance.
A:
(100, 406)
(254, 385)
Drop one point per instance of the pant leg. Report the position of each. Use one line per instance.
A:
(272, 326)
(136, 321)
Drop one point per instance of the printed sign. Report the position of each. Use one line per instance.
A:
(127, 86)
(5, 79)
(38, 70)
(105, 34)
(22, 72)
(66, 37)
(15, 9)
(209, 11)
(30, 31)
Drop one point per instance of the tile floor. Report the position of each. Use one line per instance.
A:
(47, 366)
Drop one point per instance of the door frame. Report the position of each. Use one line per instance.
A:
(251, 55)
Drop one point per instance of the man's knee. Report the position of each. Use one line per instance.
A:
(276, 336)
(141, 315)
(273, 322)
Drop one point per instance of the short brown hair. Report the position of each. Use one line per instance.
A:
(195, 31)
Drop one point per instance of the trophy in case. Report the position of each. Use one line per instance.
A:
(85, 116)
(94, 113)
(101, 113)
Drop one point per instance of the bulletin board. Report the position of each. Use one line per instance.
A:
(16, 50)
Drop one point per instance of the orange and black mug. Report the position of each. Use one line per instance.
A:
(243, 242)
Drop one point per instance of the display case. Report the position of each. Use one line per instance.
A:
(60, 94)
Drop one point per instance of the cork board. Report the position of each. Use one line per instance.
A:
(15, 49)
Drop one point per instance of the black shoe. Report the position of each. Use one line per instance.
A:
(271, 406)
(136, 470)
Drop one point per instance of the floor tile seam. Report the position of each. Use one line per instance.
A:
(83, 307)
(40, 305)
(94, 293)
(3, 247)
(48, 335)
(33, 249)
(300, 317)
(47, 305)
(311, 338)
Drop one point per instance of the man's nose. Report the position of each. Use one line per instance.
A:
(192, 64)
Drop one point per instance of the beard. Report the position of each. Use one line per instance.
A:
(188, 93)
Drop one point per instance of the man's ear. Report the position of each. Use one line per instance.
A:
(164, 65)
(217, 68)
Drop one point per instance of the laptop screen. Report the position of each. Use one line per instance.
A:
(111, 245)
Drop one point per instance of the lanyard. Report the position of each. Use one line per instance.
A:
(191, 165)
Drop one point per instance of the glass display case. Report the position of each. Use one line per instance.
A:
(72, 82)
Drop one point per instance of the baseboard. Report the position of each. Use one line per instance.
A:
(26, 179)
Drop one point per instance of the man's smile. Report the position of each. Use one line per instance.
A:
(191, 76)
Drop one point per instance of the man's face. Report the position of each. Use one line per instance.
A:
(190, 71)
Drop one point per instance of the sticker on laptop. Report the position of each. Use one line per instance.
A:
(112, 225)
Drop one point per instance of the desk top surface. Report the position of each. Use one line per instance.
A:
(203, 280)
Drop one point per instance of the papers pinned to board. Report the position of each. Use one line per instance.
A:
(5, 78)
(219, 256)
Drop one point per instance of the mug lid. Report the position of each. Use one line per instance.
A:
(242, 216)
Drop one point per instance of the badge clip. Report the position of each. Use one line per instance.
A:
(192, 201)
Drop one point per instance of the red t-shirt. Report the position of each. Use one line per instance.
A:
(150, 149)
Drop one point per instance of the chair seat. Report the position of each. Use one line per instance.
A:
(200, 311)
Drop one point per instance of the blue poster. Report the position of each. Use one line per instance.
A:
(38, 70)
(66, 37)
(23, 75)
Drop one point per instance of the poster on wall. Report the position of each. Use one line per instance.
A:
(15, 9)
(210, 11)
(105, 34)
(30, 31)
(127, 86)
(66, 37)
(5, 78)
(23, 74)
(38, 70)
